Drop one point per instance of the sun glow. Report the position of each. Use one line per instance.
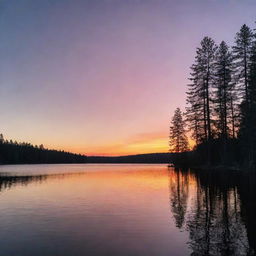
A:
(140, 147)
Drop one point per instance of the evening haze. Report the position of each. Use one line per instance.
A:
(103, 77)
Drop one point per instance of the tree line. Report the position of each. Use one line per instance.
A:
(26, 153)
(221, 103)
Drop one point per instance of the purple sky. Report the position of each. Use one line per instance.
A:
(103, 77)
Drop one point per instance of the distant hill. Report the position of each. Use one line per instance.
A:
(141, 158)
(25, 153)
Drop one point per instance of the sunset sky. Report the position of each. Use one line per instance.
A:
(103, 77)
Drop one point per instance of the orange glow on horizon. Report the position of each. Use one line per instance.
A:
(158, 145)
(140, 144)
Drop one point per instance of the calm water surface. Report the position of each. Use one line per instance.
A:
(132, 210)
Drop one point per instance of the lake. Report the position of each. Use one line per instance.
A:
(119, 209)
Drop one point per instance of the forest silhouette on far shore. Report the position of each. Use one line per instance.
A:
(26, 153)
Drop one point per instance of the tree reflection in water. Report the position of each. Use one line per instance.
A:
(217, 208)
(179, 196)
(7, 181)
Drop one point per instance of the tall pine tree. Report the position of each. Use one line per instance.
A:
(199, 100)
(223, 94)
(248, 114)
(178, 138)
(241, 52)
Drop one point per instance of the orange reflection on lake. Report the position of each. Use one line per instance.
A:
(118, 209)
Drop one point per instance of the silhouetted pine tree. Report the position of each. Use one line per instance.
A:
(248, 114)
(195, 110)
(242, 51)
(199, 109)
(223, 99)
(223, 94)
(199, 98)
(178, 138)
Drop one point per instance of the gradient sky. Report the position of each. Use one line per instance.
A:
(103, 77)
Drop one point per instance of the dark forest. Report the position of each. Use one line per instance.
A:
(221, 104)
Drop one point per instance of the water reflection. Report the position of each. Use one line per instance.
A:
(7, 181)
(217, 209)
(179, 196)
(107, 210)
(125, 210)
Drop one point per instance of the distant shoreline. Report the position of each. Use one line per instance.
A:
(163, 158)
(151, 158)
